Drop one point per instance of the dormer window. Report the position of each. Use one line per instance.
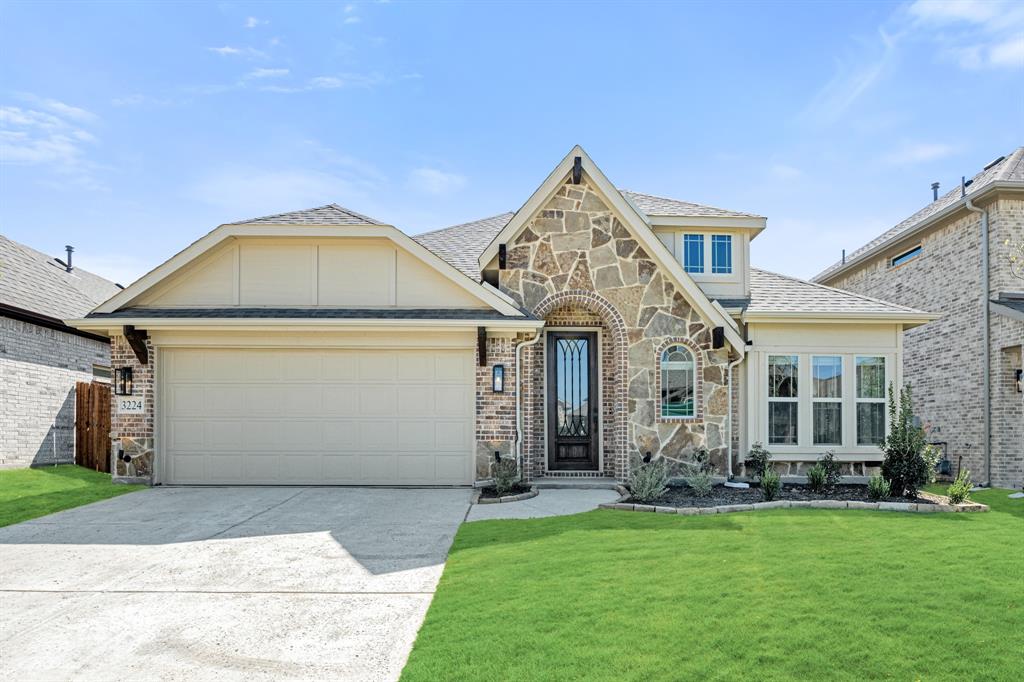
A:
(721, 254)
(693, 253)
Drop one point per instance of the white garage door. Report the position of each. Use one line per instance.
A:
(364, 417)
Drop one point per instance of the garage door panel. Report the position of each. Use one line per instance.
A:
(264, 416)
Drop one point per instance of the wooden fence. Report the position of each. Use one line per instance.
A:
(92, 425)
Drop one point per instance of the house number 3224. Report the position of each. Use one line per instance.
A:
(129, 405)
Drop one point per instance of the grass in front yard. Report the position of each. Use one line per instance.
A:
(789, 594)
(30, 493)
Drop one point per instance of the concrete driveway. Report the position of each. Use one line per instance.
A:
(224, 583)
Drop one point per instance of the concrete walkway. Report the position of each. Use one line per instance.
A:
(550, 502)
(224, 583)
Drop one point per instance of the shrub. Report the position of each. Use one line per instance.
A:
(960, 490)
(833, 469)
(647, 481)
(878, 488)
(904, 465)
(505, 474)
(701, 483)
(816, 478)
(757, 461)
(771, 483)
(931, 455)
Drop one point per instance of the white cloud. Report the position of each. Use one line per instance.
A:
(436, 182)
(345, 80)
(138, 100)
(253, 22)
(326, 82)
(918, 152)
(352, 20)
(247, 52)
(267, 73)
(974, 34)
(349, 8)
(54, 141)
(1009, 53)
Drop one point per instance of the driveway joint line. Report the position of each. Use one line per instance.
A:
(259, 513)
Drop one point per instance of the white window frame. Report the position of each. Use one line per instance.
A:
(773, 399)
(842, 393)
(711, 254)
(703, 252)
(858, 400)
(707, 266)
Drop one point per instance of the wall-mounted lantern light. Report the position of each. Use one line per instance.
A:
(498, 379)
(1020, 381)
(124, 381)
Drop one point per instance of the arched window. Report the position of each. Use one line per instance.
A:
(677, 382)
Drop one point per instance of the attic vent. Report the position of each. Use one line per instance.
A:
(993, 163)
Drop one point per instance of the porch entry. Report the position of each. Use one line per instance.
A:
(572, 401)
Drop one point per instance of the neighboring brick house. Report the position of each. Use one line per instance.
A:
(933, 260)
(41, 358)
(578, 334)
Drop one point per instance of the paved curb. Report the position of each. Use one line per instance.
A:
(532, 492)
(941, 504)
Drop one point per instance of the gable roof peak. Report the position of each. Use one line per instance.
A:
(328, 214)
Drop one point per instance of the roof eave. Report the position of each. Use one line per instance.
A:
(113, 325)
(993, 187)
(907, 318)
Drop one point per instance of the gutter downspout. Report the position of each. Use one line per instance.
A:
(987, 355)
(519, 407)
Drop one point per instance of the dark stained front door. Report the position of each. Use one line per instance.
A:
(572, 401)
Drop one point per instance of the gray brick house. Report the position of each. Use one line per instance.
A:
(590, 328)
(939, 260)
(41, 358)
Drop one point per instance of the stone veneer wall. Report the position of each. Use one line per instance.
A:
(132, 434)
(943, 359)
(38, 371)
(576, 264)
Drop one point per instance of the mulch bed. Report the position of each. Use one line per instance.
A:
(491, 493)
(721, 495)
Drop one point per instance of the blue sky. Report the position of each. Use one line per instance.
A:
(130, 130)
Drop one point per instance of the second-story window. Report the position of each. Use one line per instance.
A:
(721, 254)
(693, 253)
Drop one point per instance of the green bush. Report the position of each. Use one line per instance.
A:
(699, 472)
(931, 455)
(904, 465)
(647, 481)
(833, 469)
(771, 483)
(878, 488)
(960, 490)
(505, 474)
(757, 461)
(816, 478)
(701, 483)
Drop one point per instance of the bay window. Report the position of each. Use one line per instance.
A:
(870, 399)
(827, 399)
(783, 400)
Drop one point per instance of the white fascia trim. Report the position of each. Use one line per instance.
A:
(225, 232)
(754, 225)
(895, 317)
(114, 325)
(638, 226)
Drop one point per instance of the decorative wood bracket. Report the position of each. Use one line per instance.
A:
(136, 338)
(481, 346)
(577, 170)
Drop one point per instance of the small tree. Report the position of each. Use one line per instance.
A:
(904, 465)
(757, 461)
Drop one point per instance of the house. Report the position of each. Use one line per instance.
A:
(585, 330)
(41, 357)
(953, 257)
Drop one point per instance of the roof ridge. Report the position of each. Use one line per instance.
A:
(623, 190)
(352, 213)
(332, 206)
(835, 290)
(1016, 157)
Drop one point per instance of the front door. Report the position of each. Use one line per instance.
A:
(572, 401)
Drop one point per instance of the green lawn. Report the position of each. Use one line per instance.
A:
(789, 594)
(30, 493)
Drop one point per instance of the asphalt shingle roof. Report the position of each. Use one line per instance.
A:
(662, 206)
(330, 214)
(1009, 169)
(461, 245)
(34, 281)
(313, 313)
(771, 292)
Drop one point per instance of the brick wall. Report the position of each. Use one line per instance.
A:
(943, 360)
(495, 412)
(132, 434)
(38, 371)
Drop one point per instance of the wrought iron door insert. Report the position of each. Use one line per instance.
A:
(572, 401)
